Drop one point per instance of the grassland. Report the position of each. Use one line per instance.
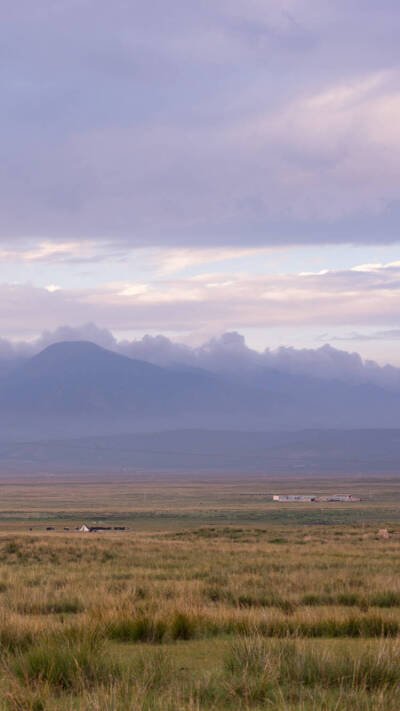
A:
(214, 598)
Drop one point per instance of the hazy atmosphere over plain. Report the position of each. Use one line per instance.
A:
(194, 168)
(199, 355)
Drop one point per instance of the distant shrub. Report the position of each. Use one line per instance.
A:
(14, 637)
(287, 606)
(386, 598)
(348, 599)
(67, 606)
(254, 667)
(65, 665)
(355, 626)
(213, 593)
(49, 607)
(137, 629)
(313, 600)
(182, 626)
(247, 600)
(141, 593)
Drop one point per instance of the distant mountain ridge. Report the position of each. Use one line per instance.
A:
(77, 388)
(82, 384)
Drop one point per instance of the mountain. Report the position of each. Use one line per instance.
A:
(75, 389)
(317, 402)
(79, 387)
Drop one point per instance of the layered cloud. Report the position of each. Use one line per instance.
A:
(193, 124)
(365, 295)
(228, 355)
(157, 163)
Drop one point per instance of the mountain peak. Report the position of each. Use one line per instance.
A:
(76, 349)
(90, 388)
(85, 355)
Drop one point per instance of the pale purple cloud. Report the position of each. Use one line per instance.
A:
(227, 355)
(366, 295)
(200, 123)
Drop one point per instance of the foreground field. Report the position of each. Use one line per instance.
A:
(177, 615)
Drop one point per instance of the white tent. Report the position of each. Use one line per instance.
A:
(84, 529)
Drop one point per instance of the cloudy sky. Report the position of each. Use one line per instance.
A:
(190, 168)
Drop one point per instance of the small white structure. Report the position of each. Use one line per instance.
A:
(383, 533)
(339, 497)
(84, 529)
(304, 498)
(293, 497)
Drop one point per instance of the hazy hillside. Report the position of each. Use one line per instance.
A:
(74, 389)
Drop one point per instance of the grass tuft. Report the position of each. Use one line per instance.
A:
(65, 664)
(137, 629)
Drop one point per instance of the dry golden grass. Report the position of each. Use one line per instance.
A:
(102, 620)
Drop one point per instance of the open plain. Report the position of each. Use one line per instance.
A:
(213, 597)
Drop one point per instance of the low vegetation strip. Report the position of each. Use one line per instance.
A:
(181, 625)
(310, 631)
(255, 673)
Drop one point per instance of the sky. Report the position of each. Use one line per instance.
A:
(195, 168)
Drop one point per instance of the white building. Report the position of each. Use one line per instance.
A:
(339, 497)
(84, 529)
(293, 497)
(304, 498)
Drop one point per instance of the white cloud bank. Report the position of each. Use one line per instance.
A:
(227, 354)
(212, 303)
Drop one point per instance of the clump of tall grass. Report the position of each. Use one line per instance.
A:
(259, 670)
(15, 634)
(384, 598)
(155, 671)
(183, 626)
(137, 629)
(366, 625)
(64, 605)
(249, 600)
(167, 625)
(153, 629)
(65, 664)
